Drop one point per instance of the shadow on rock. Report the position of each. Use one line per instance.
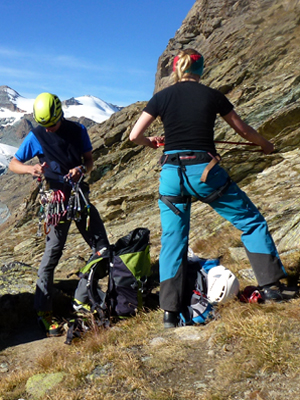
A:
(18, 323)
(18, 319)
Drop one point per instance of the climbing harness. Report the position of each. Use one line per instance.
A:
(53, 208)
(191, 158)
(170, 201)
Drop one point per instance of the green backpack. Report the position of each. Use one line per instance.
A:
(128, 267)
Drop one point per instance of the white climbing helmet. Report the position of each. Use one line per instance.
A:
(222, 285)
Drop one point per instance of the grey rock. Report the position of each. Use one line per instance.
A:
(250, 57)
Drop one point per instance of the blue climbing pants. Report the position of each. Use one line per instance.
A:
(234, 205)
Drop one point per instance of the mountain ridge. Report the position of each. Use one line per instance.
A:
(269, 99)
(16, 118)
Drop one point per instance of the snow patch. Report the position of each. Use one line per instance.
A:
(87, 106)
(6, 154)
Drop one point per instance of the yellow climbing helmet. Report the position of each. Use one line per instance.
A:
(47, 110)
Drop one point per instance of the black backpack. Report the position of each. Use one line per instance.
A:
(127, 267)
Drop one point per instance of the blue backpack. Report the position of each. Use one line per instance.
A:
(198, 310)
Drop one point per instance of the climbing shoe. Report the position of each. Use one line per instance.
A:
(171, 319)
(279, 292)
(46, 322)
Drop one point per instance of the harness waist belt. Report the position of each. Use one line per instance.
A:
(186, 158)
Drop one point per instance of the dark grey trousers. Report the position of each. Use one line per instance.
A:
(95, 237)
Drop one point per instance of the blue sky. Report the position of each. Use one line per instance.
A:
(108, 49)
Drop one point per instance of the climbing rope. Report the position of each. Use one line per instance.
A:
(238, 144)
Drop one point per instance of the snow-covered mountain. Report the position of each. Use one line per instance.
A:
(6, 153)
(89, 107)
(16, 109)
(13, 107)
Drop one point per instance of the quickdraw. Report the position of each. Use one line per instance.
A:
(53, 209)
(74, 209)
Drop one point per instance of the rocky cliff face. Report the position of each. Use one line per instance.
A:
(251, 48)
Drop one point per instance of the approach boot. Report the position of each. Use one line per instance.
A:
(279, 292)
(47, 323)
(171, 319)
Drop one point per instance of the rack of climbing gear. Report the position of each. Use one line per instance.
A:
(53, 208)
(74, 209)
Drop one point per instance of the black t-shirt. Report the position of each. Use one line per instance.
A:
(188, 111)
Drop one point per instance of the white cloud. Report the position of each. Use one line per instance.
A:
(17, 73)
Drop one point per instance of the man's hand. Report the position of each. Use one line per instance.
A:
(38, 170)
(21, 168)
(75, 174)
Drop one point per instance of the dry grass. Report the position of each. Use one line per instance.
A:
(248, 349)
(217, 245)
(264, 334)
(136, 359)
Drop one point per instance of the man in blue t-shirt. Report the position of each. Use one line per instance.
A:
(64, 151)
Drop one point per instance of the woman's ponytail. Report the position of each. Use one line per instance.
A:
(183, 63)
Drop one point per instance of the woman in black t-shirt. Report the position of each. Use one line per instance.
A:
(190, 168)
